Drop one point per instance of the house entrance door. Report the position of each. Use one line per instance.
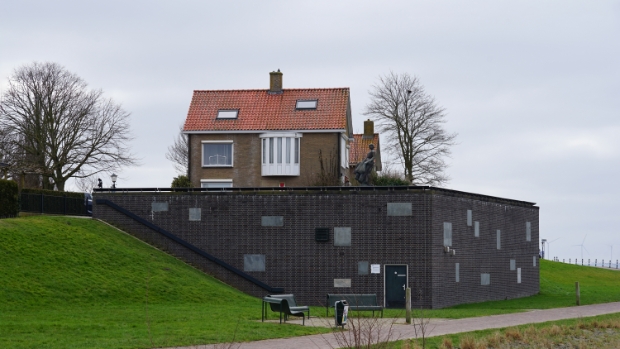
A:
(395, 285)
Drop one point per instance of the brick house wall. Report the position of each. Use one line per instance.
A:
(247, 157)
(232, 226)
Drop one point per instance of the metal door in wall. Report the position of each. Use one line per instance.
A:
(395, 285)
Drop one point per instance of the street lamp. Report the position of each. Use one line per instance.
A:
(114, 177)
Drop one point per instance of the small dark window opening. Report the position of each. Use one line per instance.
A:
(321, 234)
(306, 104)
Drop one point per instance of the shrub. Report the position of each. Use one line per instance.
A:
(9, 199)
(181, 182)
(388, 178)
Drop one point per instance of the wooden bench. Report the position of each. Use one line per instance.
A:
(284, 304)
(357, 302)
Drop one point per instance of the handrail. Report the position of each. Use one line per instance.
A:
(189, 246)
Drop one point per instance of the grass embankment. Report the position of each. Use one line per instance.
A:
(78, 283)
(598, 332)
(557, 289)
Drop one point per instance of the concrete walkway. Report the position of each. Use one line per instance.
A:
(437, 327)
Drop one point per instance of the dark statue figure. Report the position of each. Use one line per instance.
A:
(364, 168)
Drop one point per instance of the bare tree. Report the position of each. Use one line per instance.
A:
(177, 153)
(412, 123)
(59, 128)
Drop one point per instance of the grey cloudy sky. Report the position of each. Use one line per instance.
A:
(531, 87)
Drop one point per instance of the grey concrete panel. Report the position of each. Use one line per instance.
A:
(195, 214)
(159, 206)
(399, 209)
(485, 279)
(528, 231)
(254, 262)
(342, 236)
(447, 234)
(513, 264)
(458, 276)
(499, 239)
(518, 275)
(362, 268)
(342, 282)
(469, 218)
(477, 229)
(534, 258)
(272, 221)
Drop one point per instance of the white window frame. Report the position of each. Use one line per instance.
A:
(344, 151)
(232, 152)
(227, 113)
(280, 154)
(223, 181)
(305, 104)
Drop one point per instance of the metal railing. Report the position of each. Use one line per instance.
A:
(591, 263)
(48, 204)
(423, 188)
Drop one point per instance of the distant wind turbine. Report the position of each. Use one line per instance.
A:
(549, 246)
(582, 246)
(612, 252)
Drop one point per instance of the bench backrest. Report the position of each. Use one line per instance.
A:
(353, 299)
(274, 303)
(290, 298)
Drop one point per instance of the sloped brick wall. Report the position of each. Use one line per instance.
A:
(231, 226)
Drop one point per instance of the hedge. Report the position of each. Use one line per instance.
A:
(9, 198)
(68, 194)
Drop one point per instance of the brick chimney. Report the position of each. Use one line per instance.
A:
(275, 82)
(369, 129)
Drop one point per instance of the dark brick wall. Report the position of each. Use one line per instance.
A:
(230, 227)
(477, 255)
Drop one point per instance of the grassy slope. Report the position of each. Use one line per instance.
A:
(71, 282)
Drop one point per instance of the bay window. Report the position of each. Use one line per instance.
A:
(280, 154)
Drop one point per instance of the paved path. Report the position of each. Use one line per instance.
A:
(437, 327)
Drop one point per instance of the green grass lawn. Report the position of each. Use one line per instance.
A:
(78, 283)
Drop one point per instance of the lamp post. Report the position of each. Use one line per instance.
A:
(113, 177)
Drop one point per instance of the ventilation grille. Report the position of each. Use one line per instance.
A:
(321, 234)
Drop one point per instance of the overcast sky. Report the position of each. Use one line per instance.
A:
(531, 87)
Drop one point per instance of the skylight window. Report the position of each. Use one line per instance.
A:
(227, 114)
(306, 104)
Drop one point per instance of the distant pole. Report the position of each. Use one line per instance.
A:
(577, 293)
(408, 304)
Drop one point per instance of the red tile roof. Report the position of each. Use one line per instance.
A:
(259, 110)
(359, 147)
